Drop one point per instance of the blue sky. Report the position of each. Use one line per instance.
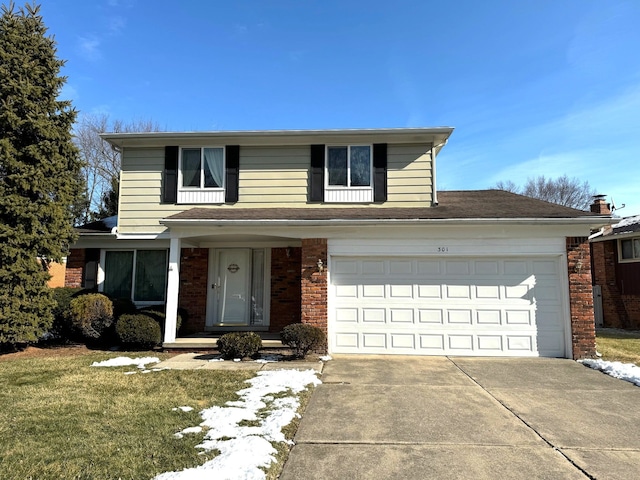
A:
(531, 87)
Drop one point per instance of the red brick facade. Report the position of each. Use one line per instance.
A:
(583, 333)
(314, 283)
(192, 296)
(75, 268)
(620, 307)
(285, 287)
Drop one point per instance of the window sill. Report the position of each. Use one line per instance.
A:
(208, 195)
(348, 195)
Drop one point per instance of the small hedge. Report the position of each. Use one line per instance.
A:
(91, 315)
(138, 330)
(158, 314)
(61, 325)
(239, 345)
(302, 338)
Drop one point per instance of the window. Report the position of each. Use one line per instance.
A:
(140, 275)
(202, 168)
(630, 249)
(349, 166)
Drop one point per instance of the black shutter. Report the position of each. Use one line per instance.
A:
(316, 174)
(170, 175)
(232, 173)
(379, 172)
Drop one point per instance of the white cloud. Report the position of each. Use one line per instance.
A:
(89, 48)
(68, 92)
(116, 24)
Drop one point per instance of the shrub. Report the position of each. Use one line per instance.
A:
(123, 306)
(302, 338)
(91, 315)
(62, 296)
(239, 345)
(157, 313)
(139, 330)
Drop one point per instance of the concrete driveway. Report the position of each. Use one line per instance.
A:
(391, 417)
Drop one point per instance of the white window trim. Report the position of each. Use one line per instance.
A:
(202, 194)
(627, 260)
(348, 193)
(100, 277)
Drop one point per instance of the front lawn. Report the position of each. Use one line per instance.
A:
(618, 345)
(62, 418)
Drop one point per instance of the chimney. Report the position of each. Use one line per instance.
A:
(600, 205)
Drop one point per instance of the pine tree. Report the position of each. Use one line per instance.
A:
(39, 173)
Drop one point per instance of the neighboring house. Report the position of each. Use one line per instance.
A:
(615, 260)
(345, 230)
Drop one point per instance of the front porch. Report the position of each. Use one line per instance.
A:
(209, 340)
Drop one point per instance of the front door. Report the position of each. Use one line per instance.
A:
(229, 299)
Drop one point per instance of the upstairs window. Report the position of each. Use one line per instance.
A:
(202, 168)
(630, 249)
(201, 175)
(349, 166)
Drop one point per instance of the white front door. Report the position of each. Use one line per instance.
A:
(229, 299)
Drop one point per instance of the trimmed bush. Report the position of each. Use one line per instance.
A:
(61, 326)
(157, 313)
(239, 345)
(91, 315)
(139, 330)
(123, 306)
(302, 338)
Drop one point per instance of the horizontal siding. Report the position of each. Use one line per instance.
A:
(270, 177)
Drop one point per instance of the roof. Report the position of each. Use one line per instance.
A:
(432, 135)
(474, 204)
(627, 227)
(103, 226)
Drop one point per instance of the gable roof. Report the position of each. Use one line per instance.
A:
(453, 205)
(626, 227)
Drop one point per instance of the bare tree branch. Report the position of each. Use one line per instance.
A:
(102, 162)
(563, 190)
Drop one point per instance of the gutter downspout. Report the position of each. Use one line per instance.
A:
(434, 190)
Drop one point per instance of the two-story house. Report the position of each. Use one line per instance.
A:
(346, 230)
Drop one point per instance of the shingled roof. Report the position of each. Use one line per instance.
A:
(468, 204)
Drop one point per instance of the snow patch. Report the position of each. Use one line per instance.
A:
(184, 409)
(244, 449)
(326, 358)
(126, 361)
(623, 371)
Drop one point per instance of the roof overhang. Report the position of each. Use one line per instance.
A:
(436, 136)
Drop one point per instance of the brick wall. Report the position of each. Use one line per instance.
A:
(583, 334)
(75, 266)
(285, 287)
(618, 310)
(192, 296)
(314, 283)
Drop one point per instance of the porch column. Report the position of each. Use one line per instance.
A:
(314, 282)
(173, 283)
(583, 333)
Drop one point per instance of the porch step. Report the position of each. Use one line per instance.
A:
(209, 341)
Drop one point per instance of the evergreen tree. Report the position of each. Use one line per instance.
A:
(39, 173)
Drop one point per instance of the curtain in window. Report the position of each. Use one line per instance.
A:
(257, 288)
(151, 272)
(213, 167)
(360, 166)
(118, 270)
(337, 165)
(190, 167)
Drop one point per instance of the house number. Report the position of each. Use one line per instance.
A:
(233, 268)
(443, 249)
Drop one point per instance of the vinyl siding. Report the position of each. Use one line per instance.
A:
(269, 177)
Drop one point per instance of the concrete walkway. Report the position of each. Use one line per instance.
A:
(390, 417)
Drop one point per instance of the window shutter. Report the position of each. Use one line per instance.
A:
(379, 172)
(316, 174)
(170, 176)
(232, 173)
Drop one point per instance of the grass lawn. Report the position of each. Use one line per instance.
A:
(62, 418)
(619, 345)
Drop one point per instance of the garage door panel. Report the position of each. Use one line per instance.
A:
(447, 306)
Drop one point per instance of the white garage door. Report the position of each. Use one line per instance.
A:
(452, 306)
